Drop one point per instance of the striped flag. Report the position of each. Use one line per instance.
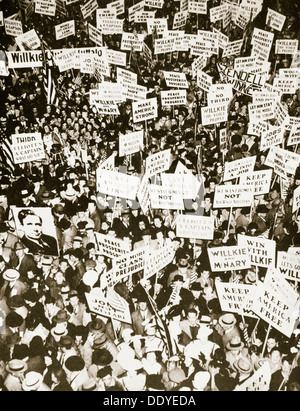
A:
(49, 82)
(194, 276)
(6, 154)
(116, 301)
(160, 323)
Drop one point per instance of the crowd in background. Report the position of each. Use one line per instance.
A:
(51, 340)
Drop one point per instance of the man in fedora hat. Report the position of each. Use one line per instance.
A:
(235, 349)
(16, 370)
(183, 269)
(33, 381)
(141, 315)
(63, 317)
(227, 328)
(14, 324)
(25, 261)
(12, 284)
(101, 358)
(147, 241)
(95, 328)
(243, 368)
(103, 341)
(76, 372)
(122, 225)
(66, 349)
(175, 294)
(77, 310)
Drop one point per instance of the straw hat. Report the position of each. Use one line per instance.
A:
(11, 275)
(16, 366)
(235, 344)
(227, 321)
(243, 365)
(32, 381)
(59, 330)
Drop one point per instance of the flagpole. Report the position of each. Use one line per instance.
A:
(113, 327)
(265, 342)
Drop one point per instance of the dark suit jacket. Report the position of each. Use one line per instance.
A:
(120, 229)
(27, 264)
(137, 321)
(96, 218)
(47, 247)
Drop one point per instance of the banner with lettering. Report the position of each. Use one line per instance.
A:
(27, 147)
(228, 258)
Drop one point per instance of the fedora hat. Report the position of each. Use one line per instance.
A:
(89, 385)
(47, 195)
(31, 295)
(96, 326)
(102, 357)
(59, 330)
(66, 341)
(32, 381)
(99, 341)
(25, 193)
(235, 344)
(74, 363)
(12, 340)
(14, 320)
(15, 366)
(16, 301)
(243, 365)
(250, 278)
(65, 290)
(70, 192)
(47, 260)
(227, 320)
(11, 275)
(61, 317)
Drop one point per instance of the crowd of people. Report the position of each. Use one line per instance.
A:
(179, 339)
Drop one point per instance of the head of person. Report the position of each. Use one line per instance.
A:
(73, 298)
(31, 223)
(92, 206)
(287, 362)
(192, 316)
(275, 356)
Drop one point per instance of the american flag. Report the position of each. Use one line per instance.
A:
(6, 153)
(117, 302)
(50, 88)
(160, 323)
(49, 80)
